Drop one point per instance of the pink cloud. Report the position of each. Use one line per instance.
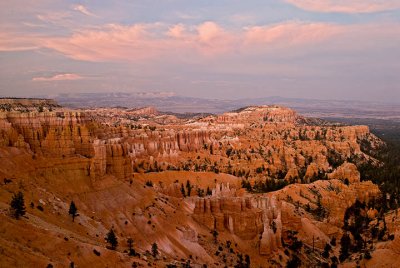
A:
(209, 31)
(111, 43)
(143, 41)
(346, 6)
(195, 43)
(17, 42)
(58, 77)
(213, 39)
(291, 33)
(177, 31)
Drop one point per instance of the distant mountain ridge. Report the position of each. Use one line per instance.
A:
(169, 102)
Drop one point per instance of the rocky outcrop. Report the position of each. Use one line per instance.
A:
(77, 156)
(26, 105)
(51, 134)
(62, 135)
(278, 145)
(144, 111)
(333, 195)
(258, 114)
(271, 238)
(114, 151)
(347, 171)
(247, 217)
(233, 214)
(270, 218)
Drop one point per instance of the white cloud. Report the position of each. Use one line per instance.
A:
(82, 9)
(58, 77)
(54, 17)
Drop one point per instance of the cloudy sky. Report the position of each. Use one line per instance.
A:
(327, 49)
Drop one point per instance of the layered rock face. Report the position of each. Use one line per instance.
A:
(144, 111)
(269, 217)
(267, 220)
(104, 158)
(247, 217)
(266, 137)
(114, 151)
(250, 218)
(346, 171)
(257, 114)
(271, 238)
(164, 144)
(236, 215)
(58, 135)
(51, 134)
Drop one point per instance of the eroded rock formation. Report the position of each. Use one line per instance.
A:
(125, 169)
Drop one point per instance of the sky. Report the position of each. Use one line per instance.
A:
(223, 49)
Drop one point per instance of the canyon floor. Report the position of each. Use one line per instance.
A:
(261, 186)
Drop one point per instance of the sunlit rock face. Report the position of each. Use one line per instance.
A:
(131, 169)
(253, 141)
(267, 218)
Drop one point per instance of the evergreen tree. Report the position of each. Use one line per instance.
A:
(345, 243)
(246, 184)
(247, 260)
(130, 246)
(367, 255)
(200, 192)
(215, 235)
(327, 248)
(183, 190)
(209, 192)
(320, 209)
(240, 263)
(188, 187)
(112, 239)
(17, 205)
(335, 261)
(73, 210)
(130, 242)
(154, 250)
(294, 262)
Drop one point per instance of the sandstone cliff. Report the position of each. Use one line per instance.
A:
(126, 169)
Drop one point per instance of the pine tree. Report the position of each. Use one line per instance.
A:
(130, 246)
(188, 187)
(111, 238)
(247, 260)
(130, 243)
(209, 192)
(294, 262)
(320, 209)
(215, 235)
(239, 263)
(17, 205)
(154, 250)
(183, 190)
(345, 243)
(73, 210)
(327, 248)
